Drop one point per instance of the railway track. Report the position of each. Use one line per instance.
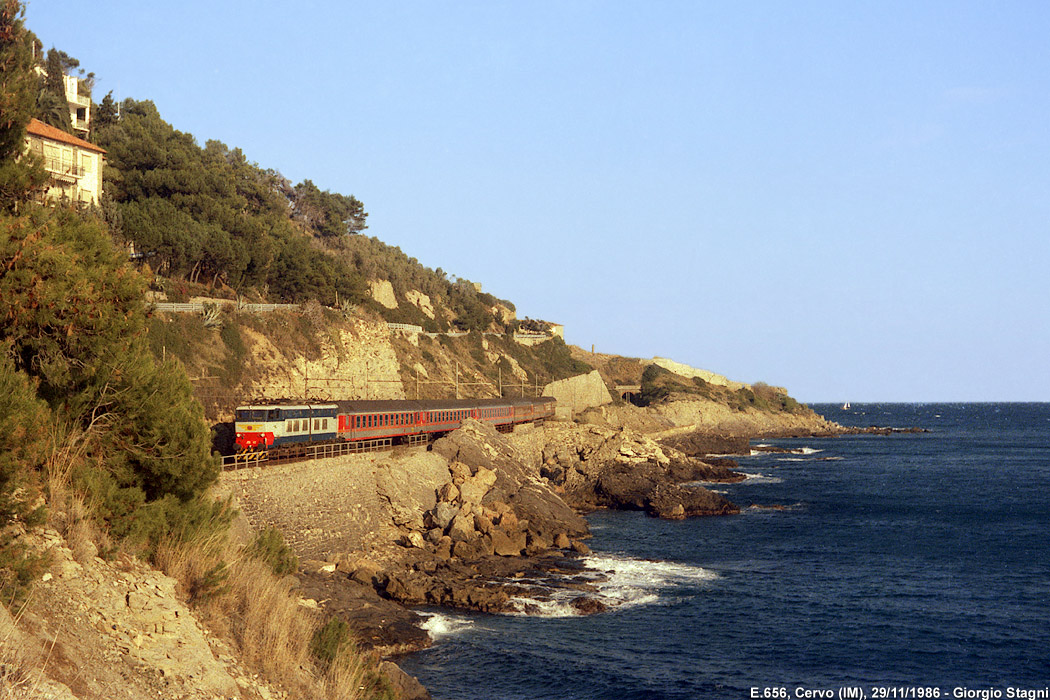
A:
(302, 453)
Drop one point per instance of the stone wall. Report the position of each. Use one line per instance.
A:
(577, 394)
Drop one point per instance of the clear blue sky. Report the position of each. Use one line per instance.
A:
(850, 199)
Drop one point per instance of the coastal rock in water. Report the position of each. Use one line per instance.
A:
(587, 606)
(404, 686)
(700, 444)
(646, 487)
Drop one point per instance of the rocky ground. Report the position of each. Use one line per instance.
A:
(116, 629)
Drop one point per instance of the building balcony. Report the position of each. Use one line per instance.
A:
(63, 170)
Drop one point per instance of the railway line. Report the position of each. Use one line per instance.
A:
(280, 432)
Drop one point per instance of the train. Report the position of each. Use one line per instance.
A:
(271, 426)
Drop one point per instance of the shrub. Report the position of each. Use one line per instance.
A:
(24, 448)
(329, 641)
(269, 547)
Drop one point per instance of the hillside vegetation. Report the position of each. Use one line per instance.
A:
(103, 445)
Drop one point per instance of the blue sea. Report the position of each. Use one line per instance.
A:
(911, 565)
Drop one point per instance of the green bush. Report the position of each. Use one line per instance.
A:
(330, 641)
(236, 353)
(269, 546)
(24, 427)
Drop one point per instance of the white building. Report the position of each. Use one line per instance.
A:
(79, 105)
(75, 166)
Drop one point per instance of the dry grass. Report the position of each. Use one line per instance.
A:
(237, 596)
(240, 599)
(21, 661)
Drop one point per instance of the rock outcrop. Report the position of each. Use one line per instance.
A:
(357, 359)
(596, 467)
(107, 629)
(383, 292)
(684, 370)
(717, 418)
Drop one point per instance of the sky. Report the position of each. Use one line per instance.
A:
(848, 199)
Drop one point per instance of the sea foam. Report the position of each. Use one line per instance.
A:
(618, 581)
(440, 624)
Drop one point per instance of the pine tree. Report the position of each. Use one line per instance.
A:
(19, 178)
(52, 106)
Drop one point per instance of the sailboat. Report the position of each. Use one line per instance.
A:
(845, 406)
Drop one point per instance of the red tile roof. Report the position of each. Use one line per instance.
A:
(46, 131)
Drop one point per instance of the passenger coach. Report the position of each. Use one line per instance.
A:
(269, 426)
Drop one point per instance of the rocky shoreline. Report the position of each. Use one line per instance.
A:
(490, 522)
(508, 514)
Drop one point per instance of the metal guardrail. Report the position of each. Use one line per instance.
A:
(406, 327)
(302, 453)
(199, 306)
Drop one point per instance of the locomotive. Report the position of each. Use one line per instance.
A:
(270, 426)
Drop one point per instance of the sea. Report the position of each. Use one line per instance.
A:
(914, 565)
